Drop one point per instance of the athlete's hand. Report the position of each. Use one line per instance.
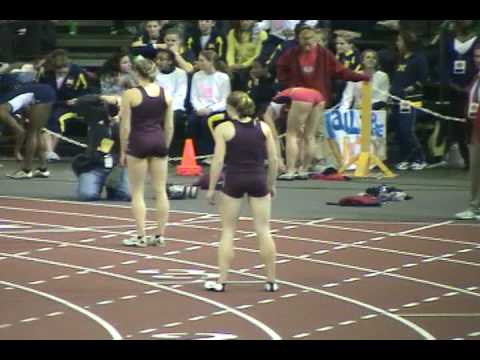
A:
(211, 197)
(273, 191)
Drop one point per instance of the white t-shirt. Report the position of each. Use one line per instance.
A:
(175, 85)
(210, 91)
(352, 95)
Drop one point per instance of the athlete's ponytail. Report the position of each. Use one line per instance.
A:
(146, 68)
(242, 103)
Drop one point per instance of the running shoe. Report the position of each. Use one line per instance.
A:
(44, 174)
(418, 166)
(286, 177)
(136, 242)
(156, 240)
(302, 175)
(52, 156)
(271, 287)
(404, 165)
(214, 286)
(469, 214)
(20, 175)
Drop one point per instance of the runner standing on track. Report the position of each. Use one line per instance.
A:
(244, 144)
(146, 134)
(36, 101)
(305, 114)
(474, 116)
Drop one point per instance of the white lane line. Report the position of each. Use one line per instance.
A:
(171, 253)
(221, 312)
(377, 238)
(29, 319)
(3, 258)
(464, 250)
(411, 305)
(351, 279)
(409, 265)
(283, 261)
(330, 285)
(83, 272)
(299, 336)
(319, 252)
(36, 282)
(106, 267)
(325, 328)
(147, 331)
(473, 334)
(347, 322)
(360, 242)
(172, 324)
(261, 266)
(87, 240)
(150, 292)
(370, 316)
(191, 248)
(3, 326)
(108, 236)
(393, 310)
(246, 306)
(44, 249)
(110, 329)
(435, 298)
(266, 301)
(253, 321)
(453, 293)
(57, 313)
(22, 253)
(286, 296)
(306, 256)
(8, 288)
(340, 247)
(60, 277)
(472, 288)
(106, 302)
(196, 318)
(290, 227)
(392, 269)
(129, 262)
(128, 297)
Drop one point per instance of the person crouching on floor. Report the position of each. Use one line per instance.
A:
(98, 167)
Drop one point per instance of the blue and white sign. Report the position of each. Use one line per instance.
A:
(344, 126)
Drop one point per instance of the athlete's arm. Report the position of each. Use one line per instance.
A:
(169, 127)
(272, 158)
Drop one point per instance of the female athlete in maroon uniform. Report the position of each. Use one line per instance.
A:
(243, 144)
(146, 133)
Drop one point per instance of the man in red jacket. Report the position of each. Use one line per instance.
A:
(309, 65)
(473, 115)
(312, 66)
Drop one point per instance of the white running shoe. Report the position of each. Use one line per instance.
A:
(271, 287)
(154, 240)
(469, 214)
(52, 156)
(404, 165)
(214, 286)
(20, 175)
(135, 241)
(418, 166)
(302, 175)
(286, 177)
(41, 174)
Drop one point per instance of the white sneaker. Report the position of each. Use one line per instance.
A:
(135, 241)
(404, 165)
(41, 174)
(20, 175)
(214, 286)
(418, 166)
(468, 215)
(271, 287)
(302, 175)
(286, 177)
(52, 156)
(154, 241)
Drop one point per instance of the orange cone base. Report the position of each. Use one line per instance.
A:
(189, 170)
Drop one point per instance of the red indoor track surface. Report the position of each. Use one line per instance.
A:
(65, 275)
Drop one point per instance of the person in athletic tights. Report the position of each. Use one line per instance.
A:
(146, 132)
(474, 117)
(305, 114)
(243, 144)
(36, 101)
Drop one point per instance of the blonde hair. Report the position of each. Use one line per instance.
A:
(145, 67)
(242, 103)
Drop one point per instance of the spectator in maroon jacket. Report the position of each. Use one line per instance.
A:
(312, 66)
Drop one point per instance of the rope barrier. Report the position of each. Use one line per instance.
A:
(418, 107)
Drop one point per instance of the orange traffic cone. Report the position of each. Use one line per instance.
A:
(189, 166)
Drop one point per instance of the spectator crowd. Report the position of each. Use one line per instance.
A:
(199, 63)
